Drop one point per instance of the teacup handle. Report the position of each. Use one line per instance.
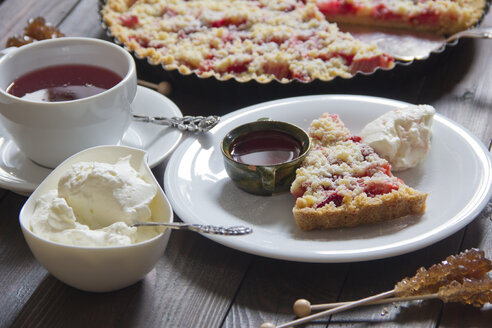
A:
(4, 52)
(267, 177)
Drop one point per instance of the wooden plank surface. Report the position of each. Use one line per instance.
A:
(20, 274)
(198, 283)
(271, 288)
(195, 281)
(14, 14)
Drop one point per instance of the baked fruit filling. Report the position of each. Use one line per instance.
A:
(343, 182)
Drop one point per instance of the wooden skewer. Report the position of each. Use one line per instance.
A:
(337, 309)
(163, 87)
(303, 308)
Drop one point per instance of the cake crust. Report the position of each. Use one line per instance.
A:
(389, 206)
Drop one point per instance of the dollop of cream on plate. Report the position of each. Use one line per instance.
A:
(401, 136)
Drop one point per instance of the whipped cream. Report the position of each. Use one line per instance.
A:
(401, 136)
(94, 205)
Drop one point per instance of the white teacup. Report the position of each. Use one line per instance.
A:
(50, 132)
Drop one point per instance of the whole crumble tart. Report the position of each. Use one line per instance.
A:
(344, 183)
(267, 40)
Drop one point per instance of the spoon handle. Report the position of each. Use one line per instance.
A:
(483, 32)
(186, 123)
(225, 231)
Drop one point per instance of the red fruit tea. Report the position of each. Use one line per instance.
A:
(63, 83)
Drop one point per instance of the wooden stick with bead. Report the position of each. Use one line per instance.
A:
(476, 292)
(303, 307)
(163, 87)
(325, 313)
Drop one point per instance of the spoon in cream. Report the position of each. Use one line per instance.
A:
(215, 230)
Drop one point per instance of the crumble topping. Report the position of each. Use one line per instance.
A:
(340, 168)
(261, 40)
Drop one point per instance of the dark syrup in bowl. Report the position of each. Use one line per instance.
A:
(265, 148)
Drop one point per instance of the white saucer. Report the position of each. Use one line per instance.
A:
(19, 174)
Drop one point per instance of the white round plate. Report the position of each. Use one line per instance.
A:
(21, 175)
(457, 174)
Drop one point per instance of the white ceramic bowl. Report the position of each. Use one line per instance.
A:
(98, 269)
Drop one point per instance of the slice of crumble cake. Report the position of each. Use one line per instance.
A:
(438, 16)
(344, 183)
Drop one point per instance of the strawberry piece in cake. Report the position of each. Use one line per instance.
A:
(344, 183)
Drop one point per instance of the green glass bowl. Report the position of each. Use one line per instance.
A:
(264, 179)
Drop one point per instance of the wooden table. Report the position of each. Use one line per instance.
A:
(199, 283)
